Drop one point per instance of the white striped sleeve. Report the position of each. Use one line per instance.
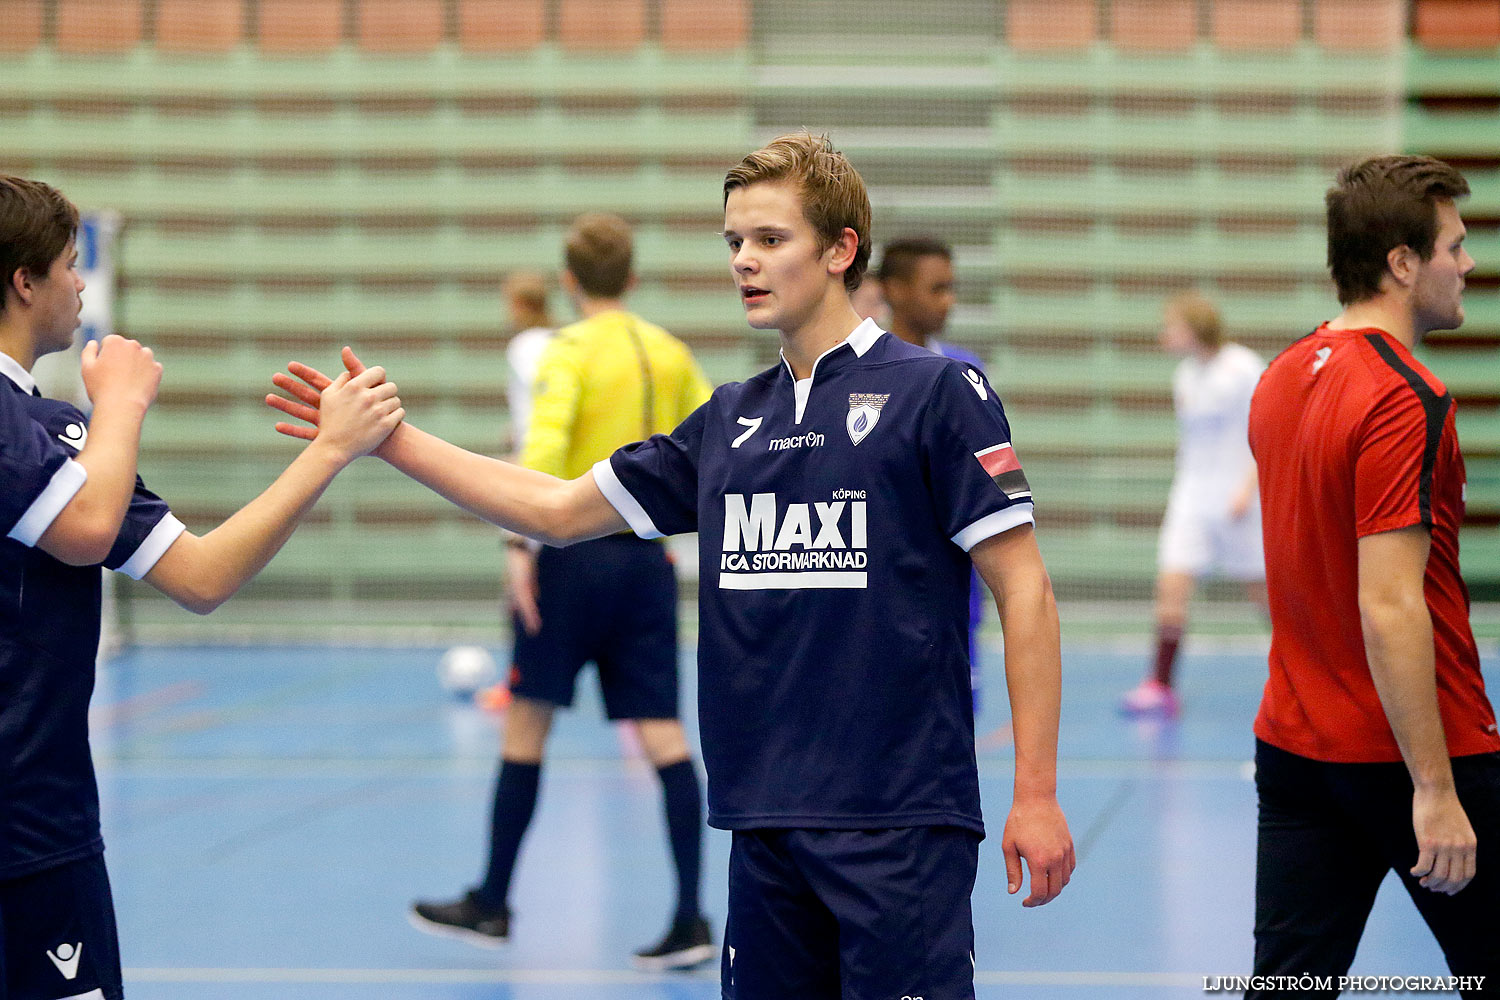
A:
(620, 499)
(156, 544)
(62, 488)
(993, 524)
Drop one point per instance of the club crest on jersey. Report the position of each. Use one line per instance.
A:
(864, 414)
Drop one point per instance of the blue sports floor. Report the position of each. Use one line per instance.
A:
(270, 812)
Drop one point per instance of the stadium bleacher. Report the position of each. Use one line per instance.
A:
(297, 174)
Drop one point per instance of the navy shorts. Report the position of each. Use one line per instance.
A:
(851, 914)
(612, 601)
(57, 934)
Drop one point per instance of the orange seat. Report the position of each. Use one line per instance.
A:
(1154, 25)
(199, 25)
(692, 25)
(501, 25)
(1359, 24)
(1458, 24)
(300, 26)
(400, 25)
(602, 24)
(23, 25)
(1039, 25)
(1257, 24)
(97, 26)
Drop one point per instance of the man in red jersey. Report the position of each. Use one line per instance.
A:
(1376, 746)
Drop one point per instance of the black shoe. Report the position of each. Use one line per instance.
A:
(687, 944)
(465, 918)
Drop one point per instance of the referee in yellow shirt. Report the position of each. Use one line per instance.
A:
(603, 382)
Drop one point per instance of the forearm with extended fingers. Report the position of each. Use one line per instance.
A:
(531, 503)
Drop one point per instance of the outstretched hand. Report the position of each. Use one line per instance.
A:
(354, 412)
(307, 389)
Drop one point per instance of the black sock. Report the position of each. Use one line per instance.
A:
(515, 800)
(684, 808)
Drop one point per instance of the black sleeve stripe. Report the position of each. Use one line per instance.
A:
(1434, 406)
(1013, 484)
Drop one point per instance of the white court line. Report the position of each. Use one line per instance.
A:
(601, 977)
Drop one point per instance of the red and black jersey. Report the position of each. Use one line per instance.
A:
(1354, 436)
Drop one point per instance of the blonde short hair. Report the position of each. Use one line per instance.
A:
(834, 197)
(1200, 315)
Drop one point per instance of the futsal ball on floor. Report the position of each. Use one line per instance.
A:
(465, 669)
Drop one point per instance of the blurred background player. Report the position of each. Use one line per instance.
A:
(1376, 746)
(603, 382)
(530, 320)
(526, 307)
(916, 281)
(1213, 514)
(70, 501)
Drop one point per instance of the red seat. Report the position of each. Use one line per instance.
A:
(400, 25)
(199, 25)
(1359, 24)
(300, 26)
(1039, 25)
(1154, 25)
(1257, 24)
(1458, 24)
(501, 25)
(602, 24)
(23, 25)
(693, 25)
(98, 26)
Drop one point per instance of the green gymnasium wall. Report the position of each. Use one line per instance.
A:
(280, 204)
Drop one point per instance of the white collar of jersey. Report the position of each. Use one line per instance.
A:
(860, 341)
(11, 369)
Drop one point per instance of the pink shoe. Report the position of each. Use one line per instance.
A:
(1150, 697)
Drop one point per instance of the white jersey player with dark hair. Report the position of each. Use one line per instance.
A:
(1212, 522)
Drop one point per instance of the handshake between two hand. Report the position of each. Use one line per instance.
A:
(354, 413)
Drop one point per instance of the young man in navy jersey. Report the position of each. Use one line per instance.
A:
(839, 498)
(70, 501)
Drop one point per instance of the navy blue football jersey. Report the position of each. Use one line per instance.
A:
(49, 629)
(834, 517)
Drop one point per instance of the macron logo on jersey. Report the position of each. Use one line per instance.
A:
(1322, 355)
(768, 547)
(75, 436)
(66, 959)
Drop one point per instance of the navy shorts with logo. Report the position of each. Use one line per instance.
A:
(851, 914)
(57, 934)
(612, 601)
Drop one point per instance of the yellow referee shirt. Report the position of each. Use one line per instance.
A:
(605, 382)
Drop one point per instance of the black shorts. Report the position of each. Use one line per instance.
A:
(57, 929)
(850, 914)
(612, 601)
(1327, 836)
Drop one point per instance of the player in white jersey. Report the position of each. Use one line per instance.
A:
(526, 301)
(1213, 514)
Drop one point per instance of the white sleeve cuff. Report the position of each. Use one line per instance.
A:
(154, 547)
(993, 524)
(620, 499)
(64, 486)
